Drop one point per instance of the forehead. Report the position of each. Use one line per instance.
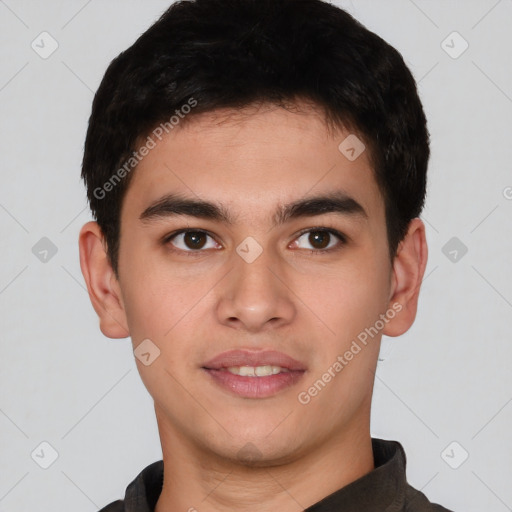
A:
(253, 159)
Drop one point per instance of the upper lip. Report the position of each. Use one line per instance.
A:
(251, 358)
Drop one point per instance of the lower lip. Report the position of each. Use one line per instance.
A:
(254, 387)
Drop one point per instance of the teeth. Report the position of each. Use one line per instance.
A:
(256, 371)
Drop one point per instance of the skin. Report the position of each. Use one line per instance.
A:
(308, 305)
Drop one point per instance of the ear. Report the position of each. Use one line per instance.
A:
(408, 270)
(102, 284)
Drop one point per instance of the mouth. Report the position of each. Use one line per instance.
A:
(255, 371)
(254, 374)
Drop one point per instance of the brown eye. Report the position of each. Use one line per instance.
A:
(318, 240)
(192, 241)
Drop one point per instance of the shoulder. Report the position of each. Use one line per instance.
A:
(115, 506)
(142, 493)
(416, 501)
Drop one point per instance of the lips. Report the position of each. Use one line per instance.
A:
(254, 359)
(250, 374)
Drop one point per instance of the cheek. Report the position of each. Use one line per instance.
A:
(349, 298)
(161, 309)
(153, 295)
(158, 307)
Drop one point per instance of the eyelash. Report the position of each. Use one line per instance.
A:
(194, 253)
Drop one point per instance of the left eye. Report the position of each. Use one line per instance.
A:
(319, 239)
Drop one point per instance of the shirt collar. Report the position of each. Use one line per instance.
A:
(381, 489)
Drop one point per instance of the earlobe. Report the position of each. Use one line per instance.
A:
(408, 270)
(102, 284)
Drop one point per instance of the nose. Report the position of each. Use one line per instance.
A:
(256, 295)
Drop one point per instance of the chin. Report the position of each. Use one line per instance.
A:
(257, 451)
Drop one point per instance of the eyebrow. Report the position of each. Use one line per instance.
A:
(172, 205)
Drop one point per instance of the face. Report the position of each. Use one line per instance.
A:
(275, 272)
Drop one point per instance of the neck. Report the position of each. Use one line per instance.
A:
(198, 479)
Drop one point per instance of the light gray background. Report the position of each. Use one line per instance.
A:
(448, 379)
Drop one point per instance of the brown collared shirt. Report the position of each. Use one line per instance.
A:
(384, 489)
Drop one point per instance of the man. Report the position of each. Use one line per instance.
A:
(256, 169)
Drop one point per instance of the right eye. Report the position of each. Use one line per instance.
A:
(191, 241)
